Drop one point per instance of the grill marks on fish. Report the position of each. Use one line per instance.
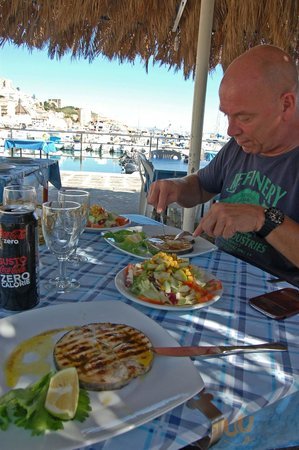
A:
(168, 244)
(106, 355)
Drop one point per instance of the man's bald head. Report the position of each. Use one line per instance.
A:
(259, 96)
(265, 65)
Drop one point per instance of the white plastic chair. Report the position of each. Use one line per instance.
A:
(146, 172)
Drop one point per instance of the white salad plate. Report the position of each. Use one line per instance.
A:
(113, 412)
(100, 230)
(200, 245)
(122, 289)
(4, 167)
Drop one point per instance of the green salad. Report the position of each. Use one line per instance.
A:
(169, 280)
(131, 241)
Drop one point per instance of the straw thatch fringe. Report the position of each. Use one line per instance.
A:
(129, 29)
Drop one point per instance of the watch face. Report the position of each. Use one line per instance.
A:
(273, 218)
(275, 215)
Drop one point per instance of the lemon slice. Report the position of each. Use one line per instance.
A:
(63, 394)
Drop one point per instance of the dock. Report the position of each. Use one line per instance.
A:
(115, 192)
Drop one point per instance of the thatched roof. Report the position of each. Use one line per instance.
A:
(128, 29)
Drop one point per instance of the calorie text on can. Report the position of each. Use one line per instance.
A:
(19, 269)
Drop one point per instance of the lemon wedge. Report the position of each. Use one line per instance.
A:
(63, 394)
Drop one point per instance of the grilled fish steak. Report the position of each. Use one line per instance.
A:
(106, 355)
(168, 244)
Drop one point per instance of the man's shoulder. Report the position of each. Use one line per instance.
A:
(231, 146)
(230, 150)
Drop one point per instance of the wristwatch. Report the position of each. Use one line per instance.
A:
(273, 218)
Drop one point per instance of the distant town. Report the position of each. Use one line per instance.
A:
(79, 132)
(21, 110)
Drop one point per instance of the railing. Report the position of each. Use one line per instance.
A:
(88, 142)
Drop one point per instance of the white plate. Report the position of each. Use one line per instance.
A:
(120, 285)
(200, 245)
(4, 167)
(170, 382)
(21, 160)
(99, 230)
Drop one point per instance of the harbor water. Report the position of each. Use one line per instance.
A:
(89, 164)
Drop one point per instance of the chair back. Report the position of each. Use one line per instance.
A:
(146, 169)
(146, 172)
(166, 154)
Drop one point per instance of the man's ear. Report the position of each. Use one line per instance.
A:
(288, 102)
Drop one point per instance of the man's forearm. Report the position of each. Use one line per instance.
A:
(191, 192)
(285, 239)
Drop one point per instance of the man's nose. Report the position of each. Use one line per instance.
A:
(233, 129)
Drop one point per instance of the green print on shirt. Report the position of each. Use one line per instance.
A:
(269, 192)
(246, 196)
(244, 243)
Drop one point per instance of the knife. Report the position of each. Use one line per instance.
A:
(218, 350)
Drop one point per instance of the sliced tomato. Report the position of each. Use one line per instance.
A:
(202, 293)
(204, 298)
(150, 300)
(96, 225)
(213, 285)
(121, 220)
(196, 287)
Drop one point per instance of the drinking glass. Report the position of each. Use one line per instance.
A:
(20, 197)
(82, 197)
(61, 224)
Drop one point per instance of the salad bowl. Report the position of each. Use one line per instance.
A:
(203, 291)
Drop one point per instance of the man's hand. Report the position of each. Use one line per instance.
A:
(225, 219)
(162, 193)
(185, 191)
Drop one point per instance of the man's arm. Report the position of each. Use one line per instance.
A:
(225, 219)
(186, 191)
(285, 239)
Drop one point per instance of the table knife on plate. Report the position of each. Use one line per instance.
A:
(193, 350)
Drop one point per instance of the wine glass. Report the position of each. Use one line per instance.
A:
(20, 197)
(61, 224)
(82, 197)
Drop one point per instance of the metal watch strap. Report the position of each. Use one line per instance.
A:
(273, 218)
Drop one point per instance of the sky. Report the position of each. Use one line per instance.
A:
(160, 98)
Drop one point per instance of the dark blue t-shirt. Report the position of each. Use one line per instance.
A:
(240, 177)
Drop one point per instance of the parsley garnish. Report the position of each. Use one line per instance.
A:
(25, 408)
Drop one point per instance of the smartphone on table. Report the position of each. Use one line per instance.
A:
(279, 304)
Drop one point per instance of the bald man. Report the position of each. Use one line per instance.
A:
(256, 174)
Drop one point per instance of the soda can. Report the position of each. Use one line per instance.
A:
(19, 269)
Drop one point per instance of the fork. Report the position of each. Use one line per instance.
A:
(162, 222)
(182, 234)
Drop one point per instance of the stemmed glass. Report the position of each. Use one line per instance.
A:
(82, 197)
(61, 224)
(20, 197)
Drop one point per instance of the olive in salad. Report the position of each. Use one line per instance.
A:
(166, 279)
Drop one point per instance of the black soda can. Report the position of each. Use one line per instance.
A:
(19, 270)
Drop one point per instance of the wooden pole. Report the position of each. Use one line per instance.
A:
(200, 87)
